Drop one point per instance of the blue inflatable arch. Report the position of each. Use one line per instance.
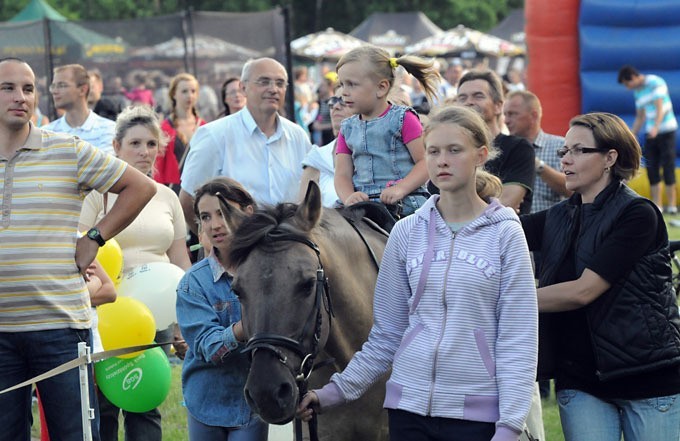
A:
(612, 33)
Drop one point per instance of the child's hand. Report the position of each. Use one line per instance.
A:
(93, 283)
(179, 344)
(357, 196)
(392, 195)
(89, 272)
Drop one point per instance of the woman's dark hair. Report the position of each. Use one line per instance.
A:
(226, 190)
(223, 92)
(612, 133)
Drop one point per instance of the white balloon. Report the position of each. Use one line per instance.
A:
(155, 285)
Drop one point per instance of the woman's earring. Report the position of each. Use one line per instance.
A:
(606, 169)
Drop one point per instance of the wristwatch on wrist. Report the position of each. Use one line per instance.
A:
(540, 167)
(94, 234)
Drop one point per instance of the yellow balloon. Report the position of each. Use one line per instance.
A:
(110, 257)
(124, 323)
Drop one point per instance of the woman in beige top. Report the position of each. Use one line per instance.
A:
(156, 235)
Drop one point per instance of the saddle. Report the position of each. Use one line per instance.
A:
(375, 212)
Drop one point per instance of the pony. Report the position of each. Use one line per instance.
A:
(305, 278)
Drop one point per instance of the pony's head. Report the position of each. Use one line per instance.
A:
(281, 285)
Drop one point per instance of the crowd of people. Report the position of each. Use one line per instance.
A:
(518, 255)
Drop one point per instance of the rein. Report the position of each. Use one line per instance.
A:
(363, 238)
(273, 342)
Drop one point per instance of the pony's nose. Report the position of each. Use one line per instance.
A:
(271, 390)
(283, 394)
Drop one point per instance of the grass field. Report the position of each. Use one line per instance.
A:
(174, 413)
(175, 424)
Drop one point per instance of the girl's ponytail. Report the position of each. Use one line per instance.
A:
(487, 185)
(422, 70)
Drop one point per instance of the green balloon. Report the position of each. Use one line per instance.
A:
(135, 384)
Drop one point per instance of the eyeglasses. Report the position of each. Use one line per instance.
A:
(578, 151)
(332, 101)
(234, 93)
(268, 82)
(60, 86)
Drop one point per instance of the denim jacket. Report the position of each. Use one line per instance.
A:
(380, 155)
(214, 371)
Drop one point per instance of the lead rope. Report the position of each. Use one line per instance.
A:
(302, 379)
(312, 424)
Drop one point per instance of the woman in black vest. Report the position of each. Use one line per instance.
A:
(610, 331)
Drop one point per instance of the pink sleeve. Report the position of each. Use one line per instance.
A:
(412, 128)
(341, 146)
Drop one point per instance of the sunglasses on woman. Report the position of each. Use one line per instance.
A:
(335, 100)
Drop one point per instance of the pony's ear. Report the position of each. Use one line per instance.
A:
(232, 216)
(309, 211)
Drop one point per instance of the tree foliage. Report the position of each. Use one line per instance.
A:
(307, 15)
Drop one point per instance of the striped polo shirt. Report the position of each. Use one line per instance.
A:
(41, 192)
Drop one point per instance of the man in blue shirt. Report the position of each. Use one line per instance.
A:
(654, 109)
(70, 88)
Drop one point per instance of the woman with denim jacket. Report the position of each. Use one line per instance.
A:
(209, 316)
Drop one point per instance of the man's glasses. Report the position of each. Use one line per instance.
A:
(59, 86)
(578, 151)
(335, 100)
(268, 82)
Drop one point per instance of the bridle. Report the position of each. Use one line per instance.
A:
(274, 342)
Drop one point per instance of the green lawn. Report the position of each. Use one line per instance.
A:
(673, 232)
(551, 420)
(174, 415)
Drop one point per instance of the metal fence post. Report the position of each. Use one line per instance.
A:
(87, 412)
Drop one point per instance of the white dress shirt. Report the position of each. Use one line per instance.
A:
(234, 146)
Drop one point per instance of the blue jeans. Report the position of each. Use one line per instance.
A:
(587, 418)
(24, 355)
(255, 430)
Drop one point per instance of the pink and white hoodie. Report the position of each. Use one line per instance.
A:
(466, 348)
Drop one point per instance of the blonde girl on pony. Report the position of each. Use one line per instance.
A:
(380, 149)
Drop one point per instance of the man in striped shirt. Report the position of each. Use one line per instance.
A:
(654, 109)
(523, 114)
(44, 303)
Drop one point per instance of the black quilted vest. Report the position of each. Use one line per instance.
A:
(634, 326)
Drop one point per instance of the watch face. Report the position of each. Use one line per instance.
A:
(94, 234)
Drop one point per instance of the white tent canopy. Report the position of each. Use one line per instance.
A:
(325, 45)
(463, 41)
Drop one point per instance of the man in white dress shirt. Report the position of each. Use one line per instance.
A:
(255, 146)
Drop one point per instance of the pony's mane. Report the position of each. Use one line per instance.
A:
(255, 228)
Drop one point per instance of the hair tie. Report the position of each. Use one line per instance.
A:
(393, 63)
